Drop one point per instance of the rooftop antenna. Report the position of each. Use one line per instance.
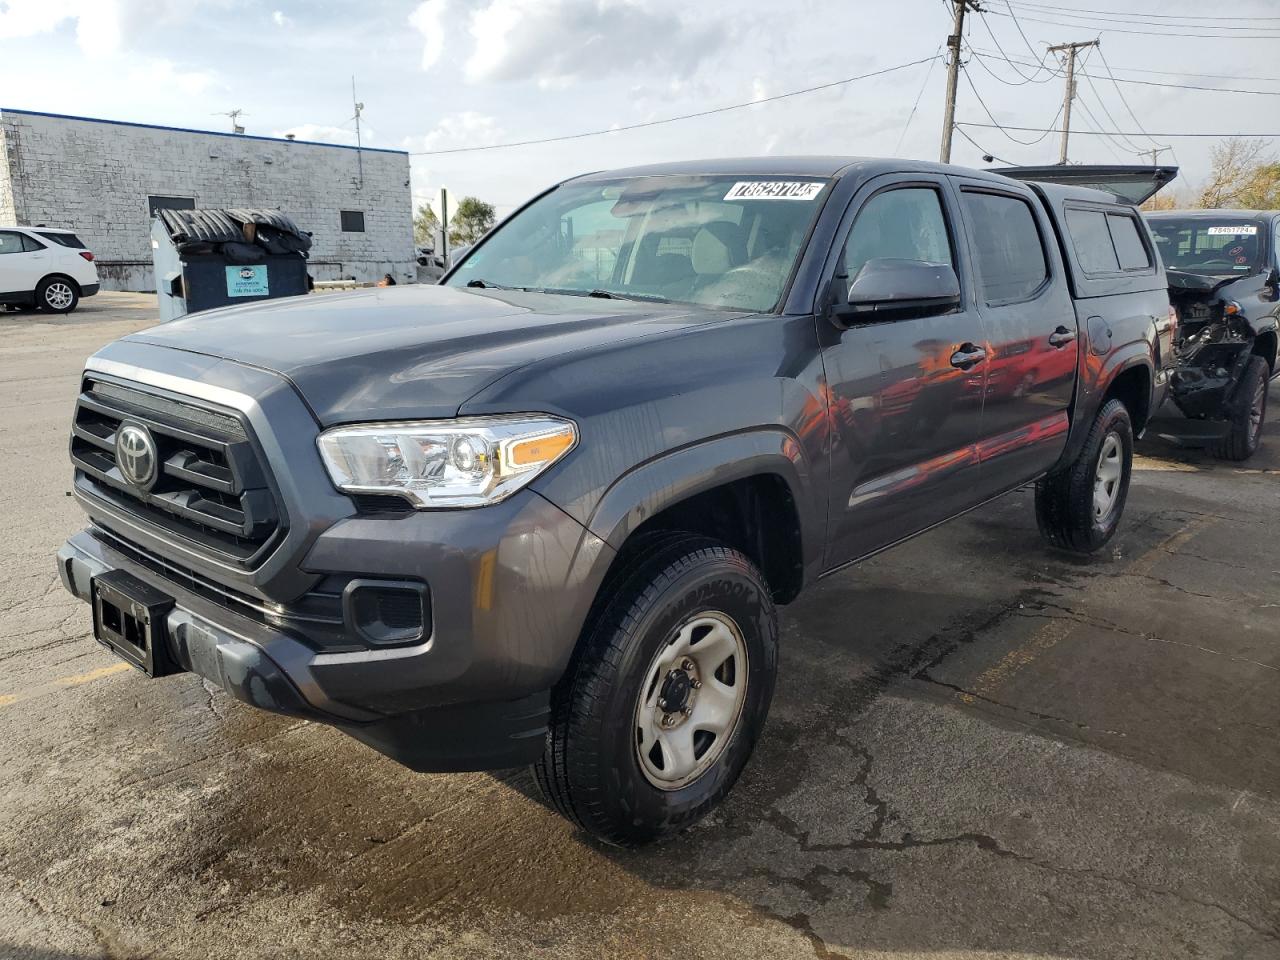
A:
(359, 154)
(234, 115)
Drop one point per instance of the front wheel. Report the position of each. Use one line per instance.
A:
(57, 295)
(663, 704)
(1078, 508)
(1248, 413)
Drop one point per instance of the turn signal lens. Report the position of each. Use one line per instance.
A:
(530, 453)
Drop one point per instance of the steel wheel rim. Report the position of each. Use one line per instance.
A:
(58, 295)
(1106, 480)
(675, 747)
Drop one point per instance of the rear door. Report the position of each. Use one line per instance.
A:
(1025, 304)
(905, 416)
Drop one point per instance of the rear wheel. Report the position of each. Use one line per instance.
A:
(1078, 508)
(1248, 413)
(57, 295)
(663, 704)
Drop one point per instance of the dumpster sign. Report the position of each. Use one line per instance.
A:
(247, 281)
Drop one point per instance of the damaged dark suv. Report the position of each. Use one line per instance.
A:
(1224, 281)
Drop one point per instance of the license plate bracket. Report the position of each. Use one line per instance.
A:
(129, 619)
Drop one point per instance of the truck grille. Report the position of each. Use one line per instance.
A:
(211, 488)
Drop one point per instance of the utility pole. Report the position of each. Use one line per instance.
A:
(1071, 49)
(359, 152)
(953, 73)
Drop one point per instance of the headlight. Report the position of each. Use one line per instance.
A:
(467, 462)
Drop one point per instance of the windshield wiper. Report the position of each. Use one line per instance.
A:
(603, 294)
(486, 284)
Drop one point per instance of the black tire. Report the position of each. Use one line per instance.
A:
(1248, 413)
(591, 769)
(57, 295)
(1065, 508)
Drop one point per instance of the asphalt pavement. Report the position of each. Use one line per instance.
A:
(979, 748)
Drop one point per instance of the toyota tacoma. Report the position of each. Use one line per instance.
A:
(545, 511)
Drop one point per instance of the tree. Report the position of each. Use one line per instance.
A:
(425, 226)
(1245, 174)
(472, 219)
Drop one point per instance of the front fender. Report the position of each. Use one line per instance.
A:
(651, 487)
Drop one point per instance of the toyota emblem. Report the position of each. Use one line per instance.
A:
(136, 456)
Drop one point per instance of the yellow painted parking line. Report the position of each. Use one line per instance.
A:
(92, 675)
(64, 683)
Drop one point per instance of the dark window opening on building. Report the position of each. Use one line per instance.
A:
(352, 221)
(169, 203)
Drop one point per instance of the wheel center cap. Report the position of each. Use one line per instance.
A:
(674, 696)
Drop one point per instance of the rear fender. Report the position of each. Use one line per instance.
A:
(1096, 376)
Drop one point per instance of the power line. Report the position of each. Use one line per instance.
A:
(1020, 33)
(686, 116)
(1146, 33)
(987, 110)
(1120, 94)
(919, 96)
(1075, 11)
(985, 152)
(1009, 60)
(1171, 73)
(1210, 136)
(1156, 83)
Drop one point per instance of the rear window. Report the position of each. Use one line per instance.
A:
(1130, 249)
(63, 239)
(1106, 242)
(1010, 255)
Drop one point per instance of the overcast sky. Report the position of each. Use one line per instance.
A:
(456, 73)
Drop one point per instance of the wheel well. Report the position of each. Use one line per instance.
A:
(756, 515)
(1132, 387)
(1265, 347)
(61, 276)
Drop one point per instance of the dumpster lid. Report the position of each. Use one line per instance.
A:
(222, 225)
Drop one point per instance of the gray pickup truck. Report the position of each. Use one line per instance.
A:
(543, 513)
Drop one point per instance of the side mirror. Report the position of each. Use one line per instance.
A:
(885, 289)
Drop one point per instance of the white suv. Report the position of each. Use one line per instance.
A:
(44, 268)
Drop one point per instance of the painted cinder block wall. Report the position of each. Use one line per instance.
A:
(94, 177)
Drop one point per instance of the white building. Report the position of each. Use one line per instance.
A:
(103, 179)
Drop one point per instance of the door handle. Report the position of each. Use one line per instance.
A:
(968, 356)
(1061, 337)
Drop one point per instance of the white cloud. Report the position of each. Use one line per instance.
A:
(428, 19)
(559, 41)
(165, 75)
(280, 20)
(466, 129)
(759, 90)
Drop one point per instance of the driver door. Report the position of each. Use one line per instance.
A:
(906, 393)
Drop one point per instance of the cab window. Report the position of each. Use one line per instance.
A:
(902, 224)
(1008, 248)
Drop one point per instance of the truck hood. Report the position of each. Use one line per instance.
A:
(414, 350)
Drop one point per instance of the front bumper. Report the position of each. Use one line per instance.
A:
(508, 599)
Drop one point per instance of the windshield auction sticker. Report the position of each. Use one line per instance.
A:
(774, 190)
(1243, 230)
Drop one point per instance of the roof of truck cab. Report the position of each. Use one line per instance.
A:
(1215, 213)
(817, 166)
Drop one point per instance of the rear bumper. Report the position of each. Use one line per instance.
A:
(236, 653)
(89, 289)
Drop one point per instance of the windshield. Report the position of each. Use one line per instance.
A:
(714, 241)
(1211, 246)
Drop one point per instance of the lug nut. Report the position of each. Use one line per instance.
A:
(667, 720)
(697, 684)
(687, 664)
(688, 711)
(662, 704)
